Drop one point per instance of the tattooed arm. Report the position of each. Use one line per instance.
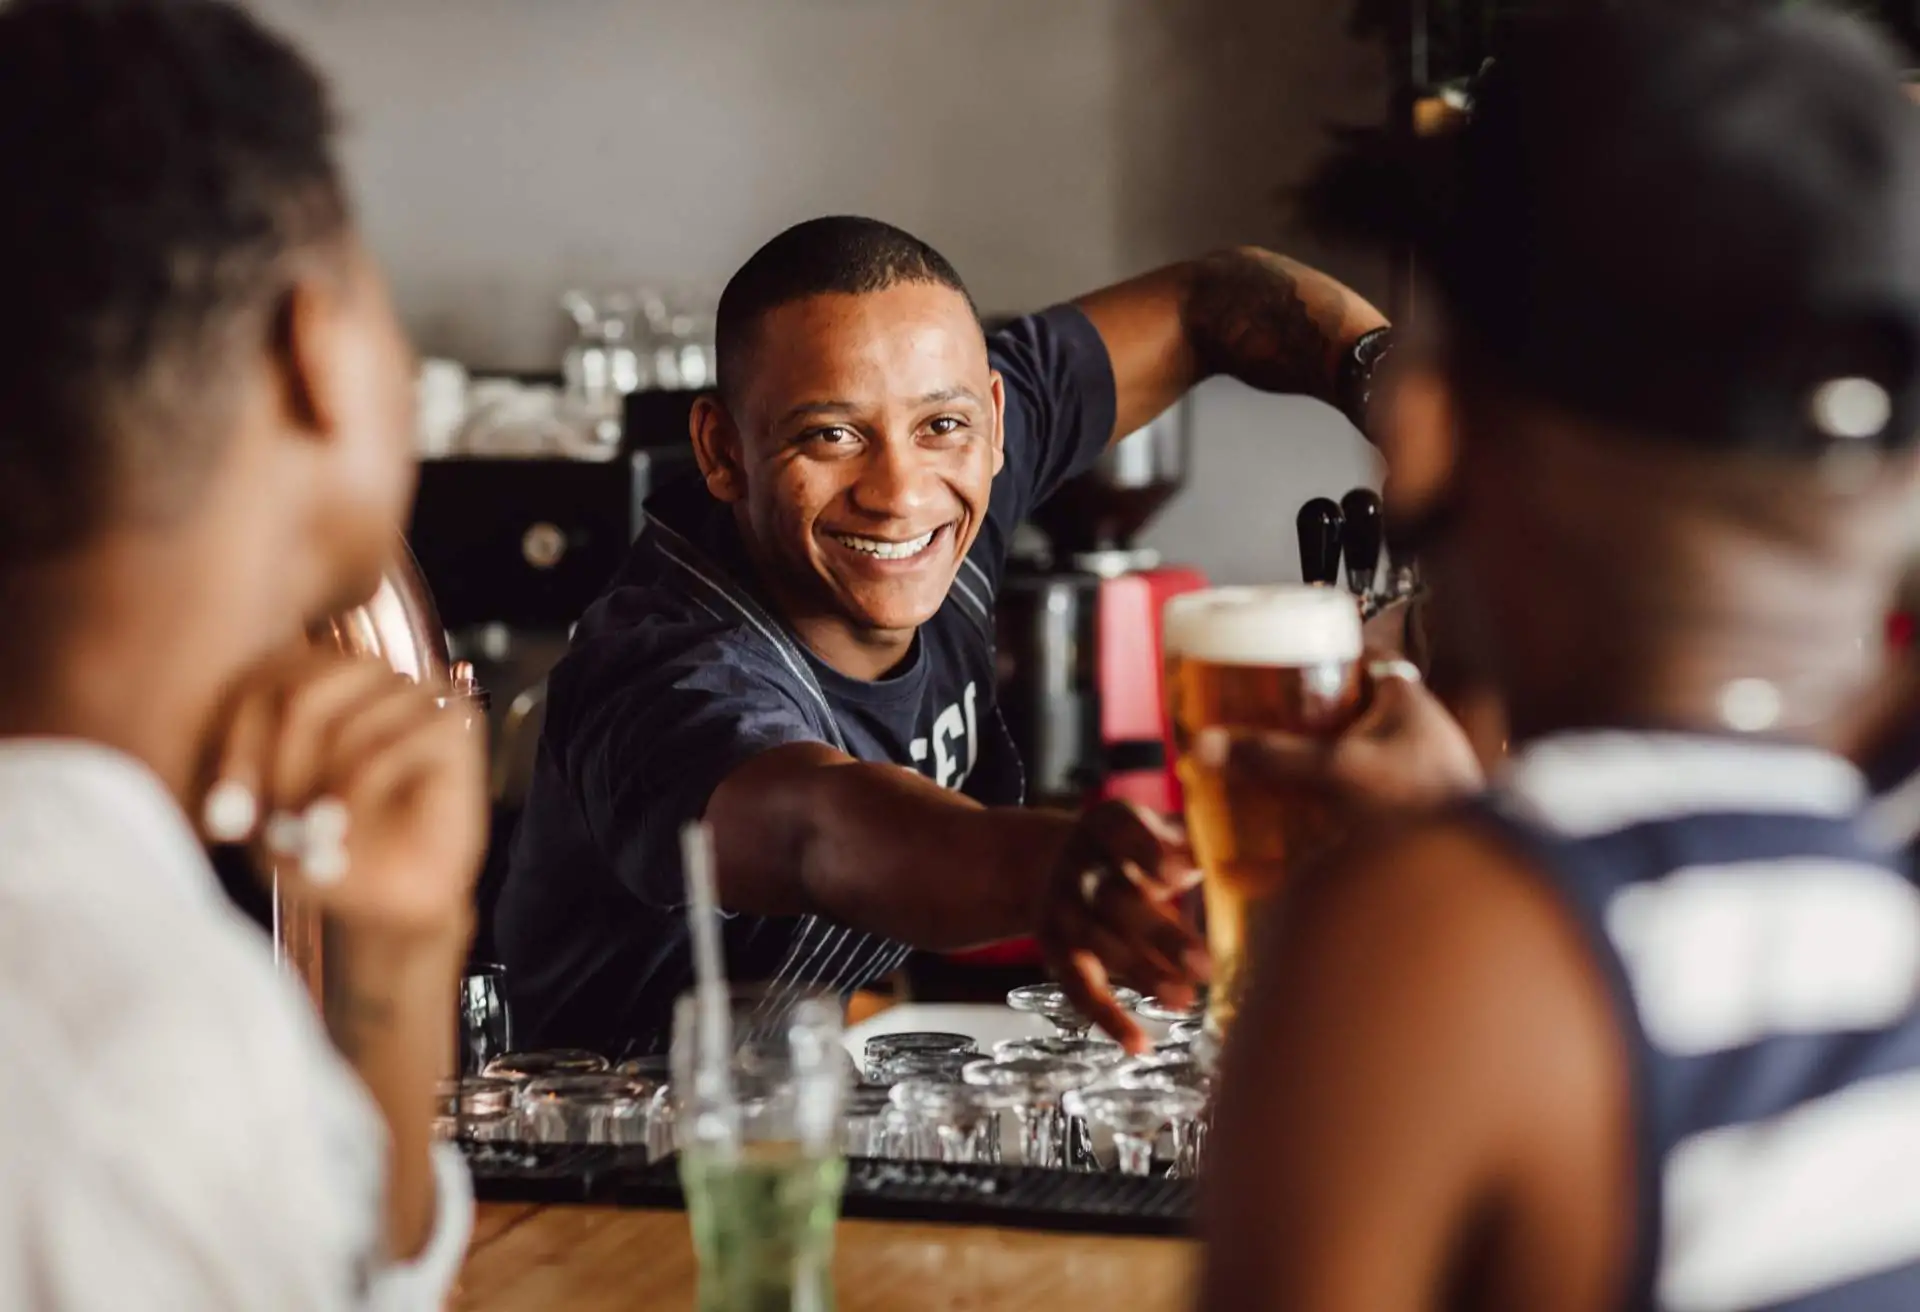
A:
(1269, 321)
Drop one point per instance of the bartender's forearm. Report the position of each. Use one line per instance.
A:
(386, 1009)
(803, 830)
(1247, 313)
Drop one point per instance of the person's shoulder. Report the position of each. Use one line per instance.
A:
(1452, 870)
(1429, 926)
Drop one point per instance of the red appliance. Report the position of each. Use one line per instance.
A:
(1131, 658)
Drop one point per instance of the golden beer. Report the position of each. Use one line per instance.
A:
(1281, 659)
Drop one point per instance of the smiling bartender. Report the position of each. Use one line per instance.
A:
(800, 647)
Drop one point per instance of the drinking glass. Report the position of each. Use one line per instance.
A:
(1031, 1087)
(485, 1032)
(882, 1047)
(863, 1123)
(959, 1117)
(1183, 1031)
(476, 1109)
(663, 1125)
(1281, 659)
(1189, 1133)
(599, 1109)
(1050, 1002)
(904, 1065)
(761, 1160)
(523, 1066)
(1136, 1115)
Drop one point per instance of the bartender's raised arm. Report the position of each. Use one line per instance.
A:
(1248, 313)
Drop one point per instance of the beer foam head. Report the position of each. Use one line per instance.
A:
(1290, 625)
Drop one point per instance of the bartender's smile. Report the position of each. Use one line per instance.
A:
(884, 552)
(868, 437)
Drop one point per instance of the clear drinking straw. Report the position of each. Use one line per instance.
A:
(713, 1078)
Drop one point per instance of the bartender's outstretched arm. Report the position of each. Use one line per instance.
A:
(806, 830)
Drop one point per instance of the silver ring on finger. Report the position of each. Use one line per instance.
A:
(1092, 880)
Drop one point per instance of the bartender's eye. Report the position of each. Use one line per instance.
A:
(833, 436)
(946, 426)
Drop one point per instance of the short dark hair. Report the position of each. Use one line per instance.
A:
(159, 161)
(839, 253)
(1677, 217)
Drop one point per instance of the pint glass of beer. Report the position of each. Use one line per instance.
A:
(1278, 659)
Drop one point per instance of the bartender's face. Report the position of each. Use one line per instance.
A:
(863, 448)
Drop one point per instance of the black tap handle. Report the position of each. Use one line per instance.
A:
(1319, 523)
(1360, 535)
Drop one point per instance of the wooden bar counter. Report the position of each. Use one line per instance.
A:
(603, 1259)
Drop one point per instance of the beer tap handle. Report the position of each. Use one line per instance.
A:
(1319, 523)
(1360, 535)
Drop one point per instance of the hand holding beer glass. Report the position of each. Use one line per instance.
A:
(1250, 660)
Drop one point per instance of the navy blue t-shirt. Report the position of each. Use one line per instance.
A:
(681, 672)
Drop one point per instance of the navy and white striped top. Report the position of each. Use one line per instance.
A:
(1764, 951)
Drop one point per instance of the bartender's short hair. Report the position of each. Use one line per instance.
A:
(160, 161)
(840, 253)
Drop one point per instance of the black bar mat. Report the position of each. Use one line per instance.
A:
(1012, 1196)
(547, 1173)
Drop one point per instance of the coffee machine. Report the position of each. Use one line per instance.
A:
(1079, 628)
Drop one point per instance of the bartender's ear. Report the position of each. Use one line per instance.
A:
(998, 390)
(716, 445)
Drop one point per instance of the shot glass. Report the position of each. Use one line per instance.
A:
(590, 1109)
(960, 1119)
(476, 1109)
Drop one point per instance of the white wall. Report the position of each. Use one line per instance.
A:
(505, 149)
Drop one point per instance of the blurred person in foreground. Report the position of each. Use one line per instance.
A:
(205, 447)
(1638, 1028)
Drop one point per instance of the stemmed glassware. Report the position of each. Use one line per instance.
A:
(1050, 1002)
(1136, 1114)
(1031, 1087)
(1154, 1009)
(1099, 1052)
(1175, 1071)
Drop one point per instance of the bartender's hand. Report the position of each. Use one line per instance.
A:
(407, 777)
(1111, 907)
(1405, 753)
